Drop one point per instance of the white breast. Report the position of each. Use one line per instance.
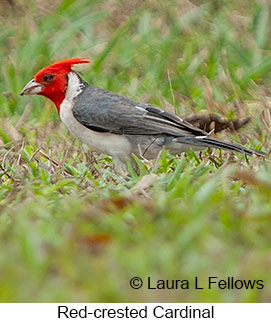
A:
(114, 145)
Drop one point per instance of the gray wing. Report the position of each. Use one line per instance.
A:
(104, 111)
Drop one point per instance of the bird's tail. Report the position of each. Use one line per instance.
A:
(205, 142)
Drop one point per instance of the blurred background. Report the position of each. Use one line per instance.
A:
(70, 230)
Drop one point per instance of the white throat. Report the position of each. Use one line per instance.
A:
(75, 87)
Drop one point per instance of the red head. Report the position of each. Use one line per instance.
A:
(51, 81)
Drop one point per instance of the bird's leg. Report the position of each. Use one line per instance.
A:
(141, 155)
(120, 167)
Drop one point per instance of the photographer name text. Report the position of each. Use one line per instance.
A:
(210, 283)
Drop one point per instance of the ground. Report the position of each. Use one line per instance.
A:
(71, 230)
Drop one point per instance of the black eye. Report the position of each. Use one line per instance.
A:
(48, 77)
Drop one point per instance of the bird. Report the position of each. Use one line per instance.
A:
(116, 125)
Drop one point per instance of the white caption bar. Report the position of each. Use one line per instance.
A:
(136, 312)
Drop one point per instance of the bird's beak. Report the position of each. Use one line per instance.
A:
(32, 87)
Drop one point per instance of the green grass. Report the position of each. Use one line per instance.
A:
(70, 228)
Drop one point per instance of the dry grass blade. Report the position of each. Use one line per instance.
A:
(53, 160)
(208, 95)
(24, 116)
(11, 131)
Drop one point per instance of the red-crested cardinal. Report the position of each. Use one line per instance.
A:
(116, 125)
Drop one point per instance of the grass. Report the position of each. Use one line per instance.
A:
(72, 230)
